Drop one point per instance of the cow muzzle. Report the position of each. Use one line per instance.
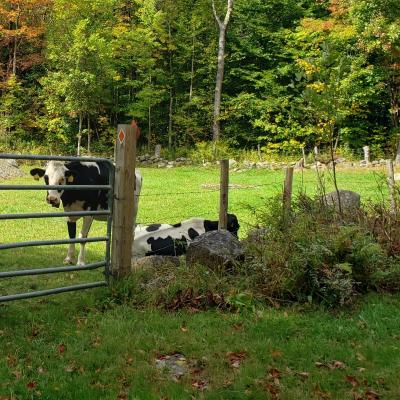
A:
(53, 201)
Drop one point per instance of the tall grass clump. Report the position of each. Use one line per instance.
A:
(318, 255)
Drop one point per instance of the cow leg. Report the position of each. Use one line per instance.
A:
(87, 223)
(70, 259)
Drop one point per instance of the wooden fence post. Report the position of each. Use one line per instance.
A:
(366, 155)
(287, 192)
(122, 226)
(391, 184)
(223, 195)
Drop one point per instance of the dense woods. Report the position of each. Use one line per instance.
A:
(297, 73)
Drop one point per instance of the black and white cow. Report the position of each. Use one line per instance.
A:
(79, 173)
(173, 240)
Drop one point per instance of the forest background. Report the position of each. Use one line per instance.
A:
(298, 73)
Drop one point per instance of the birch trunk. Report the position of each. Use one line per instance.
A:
(78, 150)
(88, 135)
(220, 67)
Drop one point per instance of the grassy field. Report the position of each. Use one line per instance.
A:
(84, 346)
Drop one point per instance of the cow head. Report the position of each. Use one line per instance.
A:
(233, 224)
(56, 173)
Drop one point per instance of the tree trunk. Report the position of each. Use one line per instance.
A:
(220, 68)
(191, 73)
(395, 113)
(149, 133)
(78, 150)
(88, 135)
(171, 99)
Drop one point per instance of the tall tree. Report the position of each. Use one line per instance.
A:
(220, 66)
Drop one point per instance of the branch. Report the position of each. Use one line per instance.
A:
(215, 14)
(228, 12)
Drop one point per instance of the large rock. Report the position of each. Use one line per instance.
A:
(218, 250)
(349, 200)
(9, 169)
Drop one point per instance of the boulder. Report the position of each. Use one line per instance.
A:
(217, 250)
(9, 169)
(348, 200)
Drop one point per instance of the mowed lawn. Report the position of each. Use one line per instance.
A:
(83, 346)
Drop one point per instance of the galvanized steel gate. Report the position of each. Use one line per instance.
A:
(49, 270)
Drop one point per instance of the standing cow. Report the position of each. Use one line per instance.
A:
(80, 173)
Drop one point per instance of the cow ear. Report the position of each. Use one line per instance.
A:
(70, 176)
(37, 173)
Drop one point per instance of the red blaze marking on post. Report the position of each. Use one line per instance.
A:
(121, 136)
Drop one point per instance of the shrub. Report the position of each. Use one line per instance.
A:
(318, 255)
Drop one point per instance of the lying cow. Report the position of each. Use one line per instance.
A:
(173, 240)
(80, 173)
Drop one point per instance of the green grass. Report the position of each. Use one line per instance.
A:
(82, 346)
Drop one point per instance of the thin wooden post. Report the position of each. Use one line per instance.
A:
(287, 192)
(123, 212)
(366, 155)
(223, 195)
(391, 184)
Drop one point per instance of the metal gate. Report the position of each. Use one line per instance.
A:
(50, 270)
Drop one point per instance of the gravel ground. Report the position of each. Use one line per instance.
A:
(9, 169)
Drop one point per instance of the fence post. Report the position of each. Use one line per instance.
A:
(223, 195)
(391, 185)
(366, 155)
(123, 212)
(287, 192)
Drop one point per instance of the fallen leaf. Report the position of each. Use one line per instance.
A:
(356, 395)
(352, 380)
(238, 327)
(17, 374)
(70, 368)
(371, 395)
(200, 385)
(129, 361)
(303, 375)
(31, 385)
(360, 357)
(184, 329)
(380, 381)
(323, 395)
(361, 369)
(273, 390)
(11, 360)
(276, 353)
(274, 375)
(34, 332)
(61, 348)
(336, 365)
(236, 358)
(40, 370)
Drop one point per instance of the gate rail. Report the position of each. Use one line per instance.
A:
(50, 270)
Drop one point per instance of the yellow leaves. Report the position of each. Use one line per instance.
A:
(307, 66)
(317, 87)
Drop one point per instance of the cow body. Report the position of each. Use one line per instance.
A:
(173, 240)
(80, 173)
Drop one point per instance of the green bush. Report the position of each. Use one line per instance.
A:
(316, 255)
